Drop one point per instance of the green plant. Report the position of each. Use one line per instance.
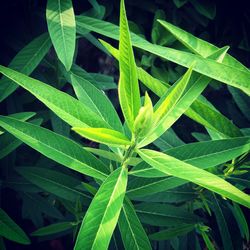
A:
(125, 184)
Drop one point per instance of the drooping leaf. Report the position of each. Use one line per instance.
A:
(55, 147)
(128, 87)
(54, 182)
(66, 107)
(231, 75)
(62, 29)
(53, 229)
(132, 232)
(101, 218)
(25, 61)
(103, 135)
(222, 224)
(10, 230)
(172, 166)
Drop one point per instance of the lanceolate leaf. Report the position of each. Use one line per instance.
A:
(62, 29)
(57, 183)
(128, 87)
(198, 45)
(132, 232)
(199, 111)
(10, 230)
(66, 107)
(222, 224)
(170, 233)
(171, 166)
(96, 100)
(103, 213)
(25, 61)
(165, 106)
(53, 228)
(55, 147)
(200, 154)
(103, 135)
(228, 74)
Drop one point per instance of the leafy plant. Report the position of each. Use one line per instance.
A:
(121, 194)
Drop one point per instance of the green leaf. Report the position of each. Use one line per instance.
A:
(200, 154)
(66, 107)
(199, 46)
(103, 135)
(170, 233)
(103, 213)
(164, 215)
(62, 29)
(53, 229)
(222, 223)
(199, 111)
(25, 61)
(241, 220)
(231, 75)
(96, 100)
(56, 147)
(128, 87)
(9, 142)
(22, 116)
(164, 107)
(10, 230)
(172, 166)
(132, 232)
(54, 182)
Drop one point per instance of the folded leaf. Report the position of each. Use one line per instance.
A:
(10, 230)
(25, 61)
(62, 29)
(66, 107)
(172, 166)
(132, 232)
(128, 87)
(56, 147)
(103, 135)
(233, 76)
(101, 218)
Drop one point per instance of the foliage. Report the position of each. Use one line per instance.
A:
(109, 177)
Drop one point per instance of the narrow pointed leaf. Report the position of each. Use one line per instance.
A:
(199, 111)
(103, 213)
(172, 166)
(132, 232)
(96, 100)
(201, 154)
(231, 75)
(25, 61)
(128, 87)
(103, 135)
(53, 229)
(54, 182)
(55, 147)
(10, 230)
(62, 29)
(66, 107)
(198, 45)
